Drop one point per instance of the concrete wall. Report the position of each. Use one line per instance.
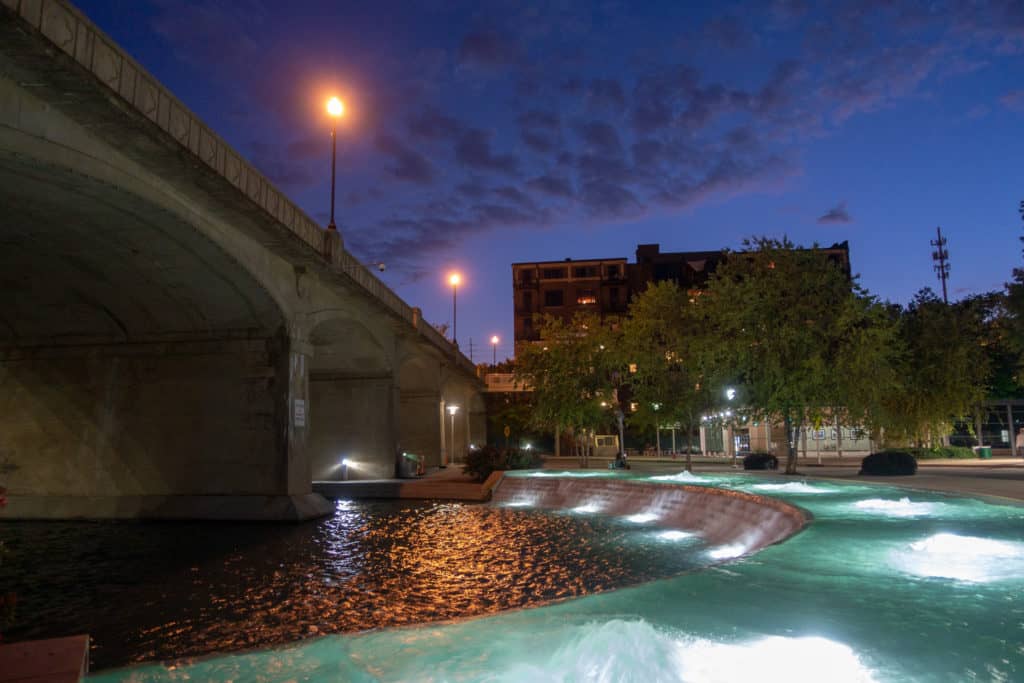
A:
(132, 420)
(352, 419)
(86, 427)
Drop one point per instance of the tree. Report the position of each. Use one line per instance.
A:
(797, 334)
(571, 373)
(944, 372)
(1015, 313)
(661, 348)
(989, 316)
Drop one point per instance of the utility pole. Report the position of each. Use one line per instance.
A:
(941, 257)
(471, 349)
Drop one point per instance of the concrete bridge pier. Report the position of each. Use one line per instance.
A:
(420, 424)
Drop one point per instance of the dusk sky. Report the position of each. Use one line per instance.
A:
(482, 134)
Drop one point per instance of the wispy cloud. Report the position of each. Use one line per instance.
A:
(514, 118)
(1014, 100)
(837, 214)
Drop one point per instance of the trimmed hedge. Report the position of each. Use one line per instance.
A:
(481, 462)
(760, 461)
(889, 463)
(954, 452)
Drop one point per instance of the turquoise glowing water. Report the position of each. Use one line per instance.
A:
(885, 584)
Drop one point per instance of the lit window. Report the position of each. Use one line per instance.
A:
(632, 367)
(586, 297)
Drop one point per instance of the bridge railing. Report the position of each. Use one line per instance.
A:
(352, 267)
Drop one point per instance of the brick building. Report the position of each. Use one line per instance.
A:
(605, 286)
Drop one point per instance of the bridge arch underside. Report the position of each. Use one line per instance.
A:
(143, 372)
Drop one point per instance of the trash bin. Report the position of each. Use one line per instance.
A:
(409, 466)
(983, 452)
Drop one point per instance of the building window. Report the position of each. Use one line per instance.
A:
(526, 276)
(554, 297)
(528, 300)
(613, 296)
(585, 297)
(585, 271)
(528, 324)
(553, 274)
(611, 272)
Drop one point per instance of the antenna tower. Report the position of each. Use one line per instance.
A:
(941, 258)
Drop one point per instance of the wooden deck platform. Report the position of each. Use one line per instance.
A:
(57, 660)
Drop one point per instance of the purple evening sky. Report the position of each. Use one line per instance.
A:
(485, 133)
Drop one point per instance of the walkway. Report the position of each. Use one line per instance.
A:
(998, 477)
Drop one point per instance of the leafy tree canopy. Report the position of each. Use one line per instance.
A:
(797, 334)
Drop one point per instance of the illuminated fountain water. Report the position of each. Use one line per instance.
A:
(904, 507)
(731, 519)
(794, 487)
(884, 585)
(965, 558)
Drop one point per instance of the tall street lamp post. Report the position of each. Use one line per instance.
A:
(454, 279)
(494, 347)
(336, 109)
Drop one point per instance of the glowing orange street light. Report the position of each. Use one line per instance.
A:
(336, 110)
(454, 279)
(494, 347)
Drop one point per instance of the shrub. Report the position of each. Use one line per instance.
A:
(523, 459)
(760, 461)
(956, 452)
(889, 463)
(481, 462)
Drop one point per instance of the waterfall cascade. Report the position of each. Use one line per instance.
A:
(720, 516)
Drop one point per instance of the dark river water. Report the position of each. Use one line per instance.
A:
(172, 590)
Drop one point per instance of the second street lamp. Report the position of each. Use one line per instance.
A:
(454, 279)
(494, 347)
(336, 109)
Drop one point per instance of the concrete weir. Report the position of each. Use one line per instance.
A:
(722, 517)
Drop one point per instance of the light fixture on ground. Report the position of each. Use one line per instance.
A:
(344, 469)
(336, 110)
(451, 411)
(454, 279)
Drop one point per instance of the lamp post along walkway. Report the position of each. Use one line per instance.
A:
(454, 279)
(336, 109)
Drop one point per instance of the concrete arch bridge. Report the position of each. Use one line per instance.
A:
(177, 339)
